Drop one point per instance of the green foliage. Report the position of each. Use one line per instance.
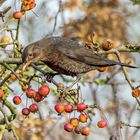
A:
(100, 81)
(136, 2)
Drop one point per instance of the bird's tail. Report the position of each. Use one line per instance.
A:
(112, 63)
(127, 65)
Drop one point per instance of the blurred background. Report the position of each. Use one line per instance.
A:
(115, 20)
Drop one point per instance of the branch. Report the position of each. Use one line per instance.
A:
(44, 73)
(126, 124)
(10, 60)
(123, 48)
(124, 71)
(126, 76)
(2, 2)
(56, 16)
(8, 76)
(6, 118)
(12, 110)
(14, 61)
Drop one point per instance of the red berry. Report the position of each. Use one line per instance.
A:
(17, 100)
(28, 2)
(68, 108)
(81, 107)
(1, 93)
(68, 127)
(30, 93)
(83, 118)
(25, 2)
(38, 97)
(33, 108)
(25, 111)
(77, 130)
(59, 107)
(102, 124)
(44, 90)
(136, 92)
(32, 5)
(17, 14)
(85, 131)
(107, 45)
(74, 122)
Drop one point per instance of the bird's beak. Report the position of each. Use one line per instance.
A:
(25, 65)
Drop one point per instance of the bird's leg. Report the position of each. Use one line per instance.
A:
(49, 76)
(69, 87)
(74, 82)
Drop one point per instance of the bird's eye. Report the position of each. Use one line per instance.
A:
(30, 55)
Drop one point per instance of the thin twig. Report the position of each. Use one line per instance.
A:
(11, 60)
(124, 71)
(9, 68)
(126, 76)
(56, 16)
(2, 2)
(7, 122)
(8, 76)
(44, 73)
(130, 125)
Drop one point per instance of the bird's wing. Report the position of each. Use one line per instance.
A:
(90, 58)
(79, 53)
(72, 49)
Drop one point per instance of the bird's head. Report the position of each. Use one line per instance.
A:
(32, 53)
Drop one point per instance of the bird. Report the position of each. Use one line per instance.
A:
(65, 56)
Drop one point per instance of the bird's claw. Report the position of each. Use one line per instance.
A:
(49, 76)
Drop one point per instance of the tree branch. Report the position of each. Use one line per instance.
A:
(12, 110)
(10, 60)
(126, 124)
(2, 1)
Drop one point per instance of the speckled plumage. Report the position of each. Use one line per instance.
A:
(65, 56)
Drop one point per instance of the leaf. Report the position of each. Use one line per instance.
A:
(55, 91)
(2, 130)
(100, 81)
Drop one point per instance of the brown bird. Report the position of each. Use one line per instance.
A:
(65, 56)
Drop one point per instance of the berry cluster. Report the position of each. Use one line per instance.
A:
(26, 6)
(37, 96)
(76, 123)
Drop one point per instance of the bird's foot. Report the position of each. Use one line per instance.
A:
(49, 76)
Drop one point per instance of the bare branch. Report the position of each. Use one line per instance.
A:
(56, 16)
(10, 60)
(2, 2)
(130, 125)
